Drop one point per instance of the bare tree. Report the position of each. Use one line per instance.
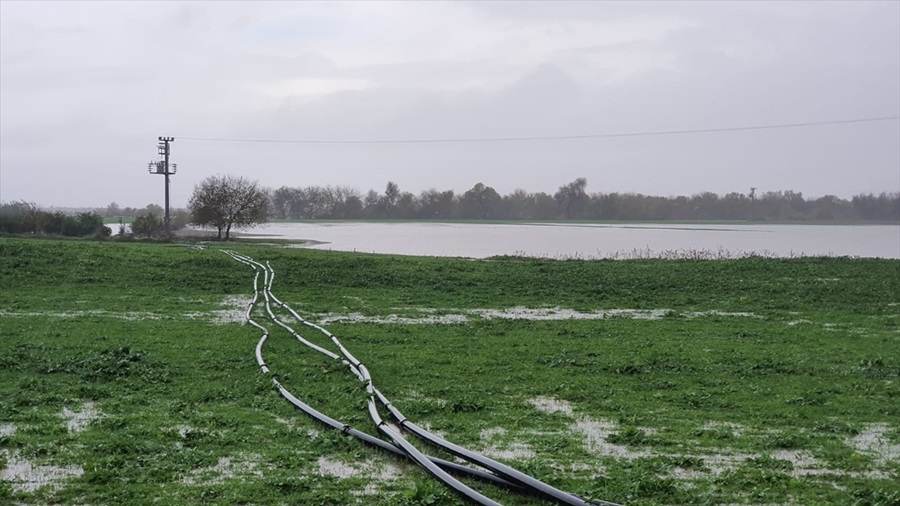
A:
(224, 202)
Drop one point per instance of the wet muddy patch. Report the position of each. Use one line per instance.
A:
(735, 430)
(873, 442)
(98, 313)
(376, 474)
(26, 476)
(496, 445)
(233, 310)
(551, 405)
(432, 316)
(79, 419)
(238, 467)
(392, 319)
(342, 469)
(597, 436)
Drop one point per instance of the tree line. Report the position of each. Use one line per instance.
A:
(27, 218)
(23, 217)
(226, 202)
(571, 201)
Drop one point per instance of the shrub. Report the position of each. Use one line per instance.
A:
(148, 225)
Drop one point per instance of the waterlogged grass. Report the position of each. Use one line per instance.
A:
(126, 376)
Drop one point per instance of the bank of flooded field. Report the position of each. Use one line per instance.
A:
(127, 376)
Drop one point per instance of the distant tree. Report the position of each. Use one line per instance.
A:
(734, 206)
(480, 202)
(91, 224)
(20, 217)
(518, 205)
(280, 201)
(433, 204)
(386, 206)
(112, 210)
(884, 207)
(342, 202)
(572, 198)
(407, 206)
(353, 207)
(226, 202)
(829, 208)
(370, 205)
(706, 206)
(16, 217)
(179, 219)
(391, 192)
(543, 206)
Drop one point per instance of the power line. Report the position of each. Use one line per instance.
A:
(552, 137)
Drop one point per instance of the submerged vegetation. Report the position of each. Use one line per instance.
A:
(128, 377)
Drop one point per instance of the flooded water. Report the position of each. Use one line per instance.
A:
(579, 240)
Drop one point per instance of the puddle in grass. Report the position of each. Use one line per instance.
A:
(512, 451)
(415, 395)
(78, 421)
(457, 316)
(102, 313)
(871, 441)
(328, 318)
(551, 405)
(735, 429)
(377, 474)
(294, 425)
(227, 468)
(234, 310)
(25, 476)
(502, 450)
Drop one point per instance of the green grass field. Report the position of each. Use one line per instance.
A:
(128, 377)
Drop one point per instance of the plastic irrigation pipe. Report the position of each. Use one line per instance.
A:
(362, 374)
(411, 451)
(503, 470)
(374, 441)
(358, 368)
(344, 428)
(384, 445)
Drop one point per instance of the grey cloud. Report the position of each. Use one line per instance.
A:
(198, 70)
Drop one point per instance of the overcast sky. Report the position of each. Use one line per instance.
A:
(86, 89)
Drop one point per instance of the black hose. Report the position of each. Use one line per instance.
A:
(510, 477)
(433, 465)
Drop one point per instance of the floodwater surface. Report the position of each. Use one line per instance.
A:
(584, 240)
